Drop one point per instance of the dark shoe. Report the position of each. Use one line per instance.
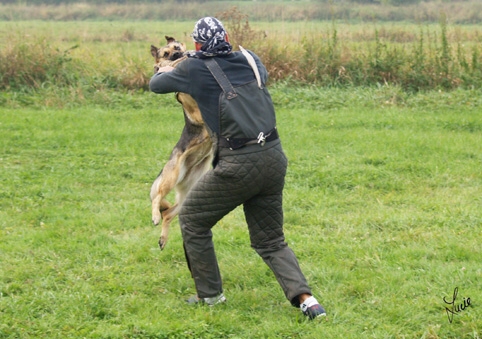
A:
(219, 299)
(314, 311)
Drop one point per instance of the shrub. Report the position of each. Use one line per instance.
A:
(432, 59)
(35, 64)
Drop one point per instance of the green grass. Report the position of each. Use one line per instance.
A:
(383, 207)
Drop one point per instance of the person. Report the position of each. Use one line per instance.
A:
(249, 167)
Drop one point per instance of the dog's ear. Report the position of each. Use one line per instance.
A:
(154, 51)
(169, 39)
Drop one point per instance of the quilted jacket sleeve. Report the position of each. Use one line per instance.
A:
(174, 81)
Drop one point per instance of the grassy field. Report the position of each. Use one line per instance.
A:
(90, 56)
(383, 206)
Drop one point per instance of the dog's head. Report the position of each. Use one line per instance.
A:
(164, 56)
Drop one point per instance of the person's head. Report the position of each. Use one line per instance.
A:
(208, 33)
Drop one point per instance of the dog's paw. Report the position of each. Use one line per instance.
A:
(156, 219)
(162, 243)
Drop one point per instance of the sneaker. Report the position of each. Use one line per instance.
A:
(312, 309)
(219, 299)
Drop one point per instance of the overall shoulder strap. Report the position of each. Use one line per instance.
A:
(221, 78)
(252, 63)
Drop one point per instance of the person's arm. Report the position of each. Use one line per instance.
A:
(169, 79)
(165, 69)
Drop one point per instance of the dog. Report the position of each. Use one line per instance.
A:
(190, 158)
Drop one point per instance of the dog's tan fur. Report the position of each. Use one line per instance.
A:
(192, 156)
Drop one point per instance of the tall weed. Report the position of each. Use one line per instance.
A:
(237, 24)
(435, 61)
(35, 63)
(435, 57)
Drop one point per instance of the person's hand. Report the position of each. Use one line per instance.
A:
(165, 69)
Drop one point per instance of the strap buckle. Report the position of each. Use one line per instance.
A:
(261, 139)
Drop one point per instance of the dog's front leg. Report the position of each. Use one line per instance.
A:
(161, 187)
(167, 216)
(164, 234)
(159, 205)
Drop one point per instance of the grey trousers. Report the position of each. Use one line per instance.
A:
(254, 177)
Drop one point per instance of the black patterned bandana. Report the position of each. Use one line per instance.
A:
(211, 33)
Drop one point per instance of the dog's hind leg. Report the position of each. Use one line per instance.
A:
(157, 199)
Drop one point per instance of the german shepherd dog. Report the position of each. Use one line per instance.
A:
(192, 156)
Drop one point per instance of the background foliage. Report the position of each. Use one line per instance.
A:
(326, 53)
(57, 2)
(461, 12)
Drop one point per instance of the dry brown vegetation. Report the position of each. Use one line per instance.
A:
(99, 55)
